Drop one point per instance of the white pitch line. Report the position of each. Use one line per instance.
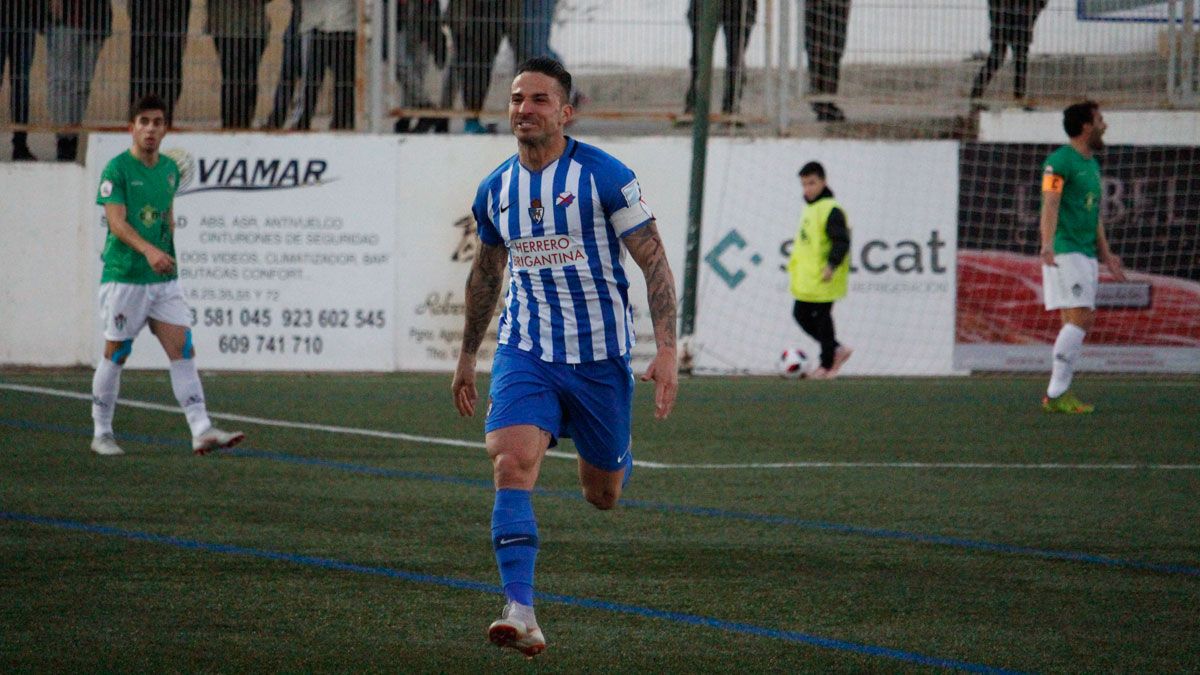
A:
(391, 435)
(934, 465)
(437, 440)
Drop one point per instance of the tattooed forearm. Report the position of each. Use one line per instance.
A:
(483, 291)
(648, 252)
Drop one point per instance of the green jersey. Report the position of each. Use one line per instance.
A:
(147, 193)
(1077, 180)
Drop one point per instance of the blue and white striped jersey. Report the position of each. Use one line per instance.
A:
(568, 294)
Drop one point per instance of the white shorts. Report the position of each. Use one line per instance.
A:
(1072, 283)
(125, 308)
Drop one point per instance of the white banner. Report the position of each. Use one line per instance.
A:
(901, 202)
(352, 252)
(437, 186)
(285, 249)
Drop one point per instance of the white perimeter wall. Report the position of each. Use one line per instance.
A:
(46, 284)
(399, 210)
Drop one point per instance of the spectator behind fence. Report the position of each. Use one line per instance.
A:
(75, 32)
(1011, 25)
(239, 32)
(289, 72)
(328, 30)
(419, 34)
(529, 32)
(736, 19)
(157, 36)
(20, 22)
(825, 23)
(476, 27)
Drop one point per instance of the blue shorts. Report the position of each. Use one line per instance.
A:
(591, 403)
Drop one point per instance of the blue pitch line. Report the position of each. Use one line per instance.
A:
(699, 511)
(467, 585)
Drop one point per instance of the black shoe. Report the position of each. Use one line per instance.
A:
(438, 125)
(21, 153)
(401, 126)
(426, 124)
(68, 148)
(828, 112)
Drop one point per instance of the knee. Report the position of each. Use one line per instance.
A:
(1082, 320)
(603, 499)
(118, 352)
(512, 468)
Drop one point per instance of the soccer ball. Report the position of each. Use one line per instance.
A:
(793, 364)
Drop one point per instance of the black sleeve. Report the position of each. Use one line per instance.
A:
(839, 236)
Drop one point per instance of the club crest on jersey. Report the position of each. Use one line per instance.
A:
(536, 211)
(565, 199)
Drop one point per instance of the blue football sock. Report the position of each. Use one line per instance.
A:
(515, 540)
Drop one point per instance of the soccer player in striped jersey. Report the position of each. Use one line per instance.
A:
(559, 216)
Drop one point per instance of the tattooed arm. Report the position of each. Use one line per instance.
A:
(483, 291)
(646, 248)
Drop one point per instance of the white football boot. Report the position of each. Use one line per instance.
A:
(215, 439)
(105, 444)
(517, 629)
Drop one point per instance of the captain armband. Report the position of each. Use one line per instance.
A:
(1052, 183)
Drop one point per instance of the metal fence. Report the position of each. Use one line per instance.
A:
(431, 65)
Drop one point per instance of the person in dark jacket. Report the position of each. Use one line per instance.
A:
(289, 72)
(1011, 26)
(239, 33)
(20, 22)
(736, 20)
(75, 33)
(157, 36)
(477, 28)
(419, 36)
(825, 26)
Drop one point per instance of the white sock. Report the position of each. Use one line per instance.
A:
(190, 394)
(106, 385)
(1066, 350)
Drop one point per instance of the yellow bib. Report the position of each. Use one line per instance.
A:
(810, 254)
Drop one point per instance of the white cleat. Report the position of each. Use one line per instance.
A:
(105, 444)
(215, 439)
(517, 629)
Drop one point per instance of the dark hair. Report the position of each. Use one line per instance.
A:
(147, 102)
(813, 169)
(548, 66)
(1077, 115)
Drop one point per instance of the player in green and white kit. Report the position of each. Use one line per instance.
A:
(139, 284)
(1072, 241)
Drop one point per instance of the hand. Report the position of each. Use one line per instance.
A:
(826, 273)
(463, 387)
(664, 370)
(159, 261)
(1048, 255)
(1113, 263)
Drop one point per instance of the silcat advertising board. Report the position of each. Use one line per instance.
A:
(900, 200)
